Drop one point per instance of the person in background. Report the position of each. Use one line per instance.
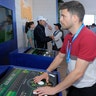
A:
(93, 28)
(57, 37)
(29, 29)
(48, 32)
(8, 28)
(48, 29)
(79, 49)
(39, 34)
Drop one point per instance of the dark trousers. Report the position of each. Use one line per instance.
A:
(88, 91)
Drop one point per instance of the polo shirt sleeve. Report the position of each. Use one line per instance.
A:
(87, 50)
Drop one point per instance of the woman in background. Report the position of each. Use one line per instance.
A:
(57, 37)
(29, 29)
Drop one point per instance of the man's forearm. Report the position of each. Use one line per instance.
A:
(56, 62)
(74, 75)
(68, 81)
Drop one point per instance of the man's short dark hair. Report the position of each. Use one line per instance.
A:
(74, 7)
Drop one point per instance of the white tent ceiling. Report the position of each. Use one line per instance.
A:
(90, 6)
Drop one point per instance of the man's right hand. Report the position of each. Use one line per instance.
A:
(41, 77)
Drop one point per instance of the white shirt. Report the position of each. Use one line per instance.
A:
(89, 77)
(57, 39)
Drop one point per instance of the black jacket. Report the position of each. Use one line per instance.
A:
(40, 37)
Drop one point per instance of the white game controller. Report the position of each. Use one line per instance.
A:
(40, 83)
(35, 93)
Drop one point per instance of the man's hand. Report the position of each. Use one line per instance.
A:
(43, 76)
(52, 37)
(43, 91)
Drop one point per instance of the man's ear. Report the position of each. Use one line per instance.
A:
(75, 18)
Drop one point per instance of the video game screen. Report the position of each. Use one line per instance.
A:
(6, 24)
(19, 82)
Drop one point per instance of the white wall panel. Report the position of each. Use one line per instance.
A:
(20, 23)
(47, 8)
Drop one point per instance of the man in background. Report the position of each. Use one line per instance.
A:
(40, 37)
